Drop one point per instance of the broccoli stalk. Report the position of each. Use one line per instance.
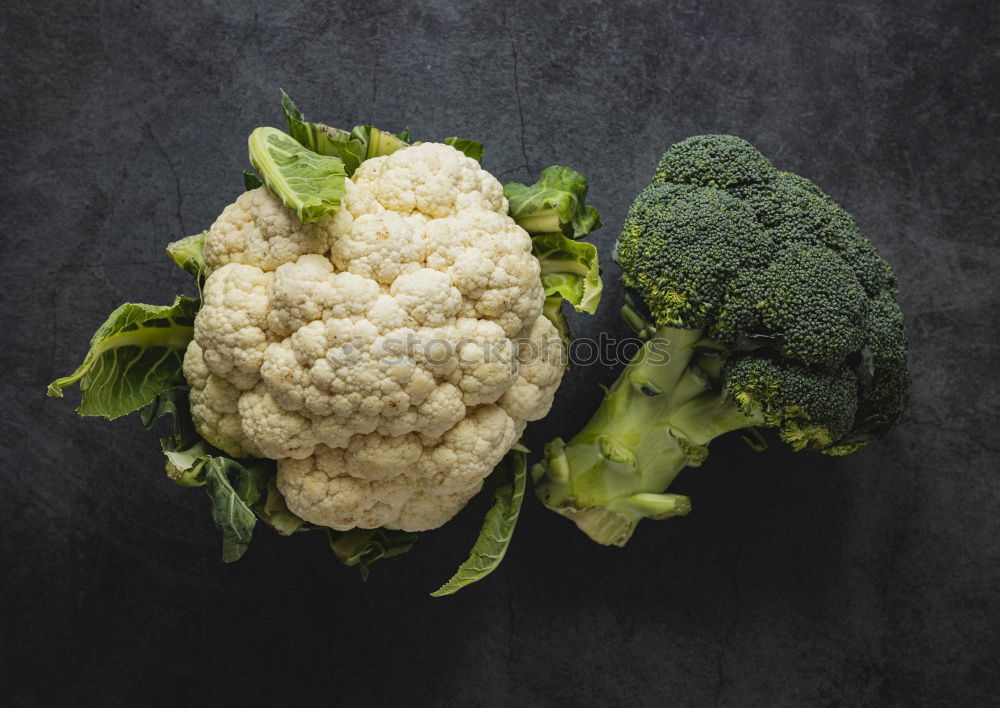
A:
(655, 420)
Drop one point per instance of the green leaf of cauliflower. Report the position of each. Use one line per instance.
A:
(134, 356)
(233, 490)
(571, 272)
(362, 547)
(362, 143)
(306, 182)
(470, 148)
(251, 181)
(189, 254)
(192, 462)
(498, 526)
(570, 269)
(556, 202)
(321, 139)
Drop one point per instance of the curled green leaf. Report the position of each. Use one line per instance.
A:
(570, 269)
(306, 182)
(189, 254)
(556, 202)
(552, 309)
(379, 142)
(321, 139)
(135, 355)
(362, 143)
(193, 462)
(498, 526)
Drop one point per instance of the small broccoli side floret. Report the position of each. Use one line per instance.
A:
(883, 379)
(811, 408)
(763, 305)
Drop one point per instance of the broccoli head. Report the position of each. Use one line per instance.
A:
(773, 310)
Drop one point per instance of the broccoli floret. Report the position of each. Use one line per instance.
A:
(763, 305)
(713, 161)
(812, 408)
(686, 245)
(883, 379)
(814, 302)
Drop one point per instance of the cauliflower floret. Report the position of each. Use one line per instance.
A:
(276, 431)
(317, 488)
(259, 230)
(427, 296)
(541, 356)
(386, 314)
(309, 290)
(487, 365)
(386, 356)
(215, 406)
(468, 451)
(440, 410)
(358, 201)
(431, 178)
(375, 456)
(231, 327)
(379, 246)
(396, 482)
(489, 259)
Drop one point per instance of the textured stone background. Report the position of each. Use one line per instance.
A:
(797, 579)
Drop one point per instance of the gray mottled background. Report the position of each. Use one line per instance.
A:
(797, 579)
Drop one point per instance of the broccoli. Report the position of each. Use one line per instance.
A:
(762, 305)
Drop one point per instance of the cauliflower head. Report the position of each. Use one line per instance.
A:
(388, 355)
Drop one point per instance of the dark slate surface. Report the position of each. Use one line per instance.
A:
(797, 579)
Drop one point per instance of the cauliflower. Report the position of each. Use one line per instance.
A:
(387, 355)
(377, 323)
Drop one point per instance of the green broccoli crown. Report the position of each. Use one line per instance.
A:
(776, 272)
